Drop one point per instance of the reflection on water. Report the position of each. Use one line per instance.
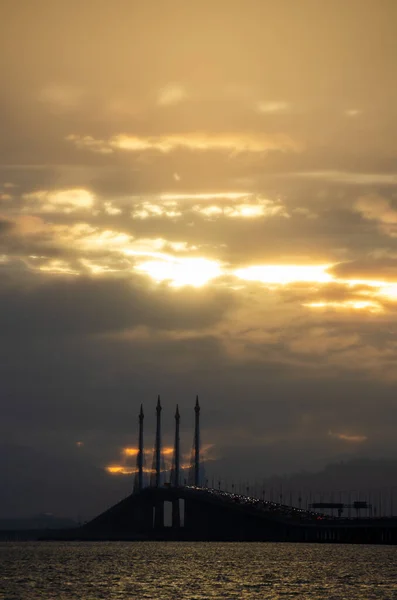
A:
(195, 571)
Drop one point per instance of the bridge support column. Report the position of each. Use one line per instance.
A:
(142, 517)
(176, 515)
(147, 518)
(159, 515)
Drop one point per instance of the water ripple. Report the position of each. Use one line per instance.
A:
(195, 571)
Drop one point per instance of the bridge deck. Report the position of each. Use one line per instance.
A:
(210, 514)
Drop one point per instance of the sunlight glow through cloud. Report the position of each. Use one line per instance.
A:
(285, 274)
(146, 210)
(207, 196)
(67, 200)
(181, 271)
(261, 209)
(372, 307)
(129, 455)
(106, 251)
(58, 266)
(193, 141)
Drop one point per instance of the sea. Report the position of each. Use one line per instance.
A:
(195, 571)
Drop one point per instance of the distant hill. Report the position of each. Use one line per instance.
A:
(363, 474)
(36, 522)
(372, 480)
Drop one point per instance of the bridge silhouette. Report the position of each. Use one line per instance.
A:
(199, 512)
(214, 515)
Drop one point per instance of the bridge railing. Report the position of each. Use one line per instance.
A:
(264, 506)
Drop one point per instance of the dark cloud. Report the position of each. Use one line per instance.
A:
(384, 268)
(5, 226)
(66, 306)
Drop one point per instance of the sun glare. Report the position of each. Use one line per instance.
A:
(389, 291)
(159, 259)
(348, 304)
(285, 274)
(181, 271)
(249, 211)
(208, 196)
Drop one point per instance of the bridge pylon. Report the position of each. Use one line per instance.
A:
(195, 461)
(138, 482)
(155, 479)
(175, 479)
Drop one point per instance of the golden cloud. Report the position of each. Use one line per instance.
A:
(366, 305)
(169, 205)
(272, 107)
(247, 210)
(348, 177)
(145, 210)
(110, 209)
(87, 142)
(374, 207)
(229, 142)
(93, 239)
(285, 274)
(206, 196)
(107, 250)
(55, 266)
(66, 201)
(171, 94)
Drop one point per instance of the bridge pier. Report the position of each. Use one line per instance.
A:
(176, 515)
(159, 515)
(143, 517)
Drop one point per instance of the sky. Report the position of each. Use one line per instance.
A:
(195, 198)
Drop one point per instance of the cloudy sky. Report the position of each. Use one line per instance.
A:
(195, 198)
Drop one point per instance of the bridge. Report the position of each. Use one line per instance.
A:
(205, 514)
(199, 512)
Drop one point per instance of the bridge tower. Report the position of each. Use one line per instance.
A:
(157, 450)
(138, 484)
(197, 443)
(155, 479)
(176, 466)
(176, 472)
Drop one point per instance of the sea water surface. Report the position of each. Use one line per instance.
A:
(195, 571)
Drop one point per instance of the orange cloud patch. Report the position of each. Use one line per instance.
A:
(354, 439)
(120, 470)
(123, 468)
(130, 451)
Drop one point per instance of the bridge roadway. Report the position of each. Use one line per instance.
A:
(215, 515)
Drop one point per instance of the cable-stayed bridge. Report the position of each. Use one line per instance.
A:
(198, 512)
